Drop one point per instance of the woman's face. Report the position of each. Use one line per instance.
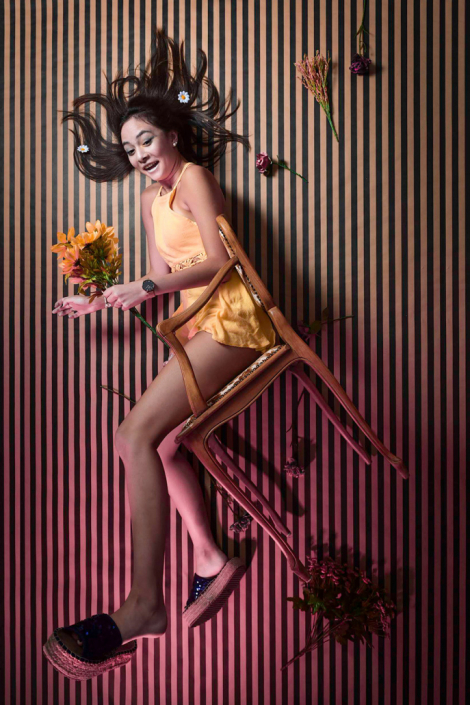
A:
(147, 146)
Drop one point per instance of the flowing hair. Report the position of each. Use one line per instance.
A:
(153, 97)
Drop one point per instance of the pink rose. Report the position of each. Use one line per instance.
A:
(263, 162)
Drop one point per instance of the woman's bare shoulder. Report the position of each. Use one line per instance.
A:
(197, 171)
(151, 191)
(197, 179)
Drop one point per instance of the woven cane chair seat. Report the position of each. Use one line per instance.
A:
(231, 386)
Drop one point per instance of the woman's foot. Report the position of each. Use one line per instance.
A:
(135, 618)
(209, 562)
(139, 617)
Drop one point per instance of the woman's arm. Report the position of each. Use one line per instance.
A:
(158, 266)
(203, 198)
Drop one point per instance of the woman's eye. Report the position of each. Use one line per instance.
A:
(131, 152)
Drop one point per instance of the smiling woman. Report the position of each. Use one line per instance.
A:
(168, 98)
(167, 131)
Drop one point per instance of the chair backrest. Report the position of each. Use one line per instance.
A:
(245, 269)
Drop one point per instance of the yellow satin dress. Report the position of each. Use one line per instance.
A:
(230, 316)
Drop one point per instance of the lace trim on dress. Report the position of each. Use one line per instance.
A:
(200, 257)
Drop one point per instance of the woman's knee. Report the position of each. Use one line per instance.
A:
(129, 439)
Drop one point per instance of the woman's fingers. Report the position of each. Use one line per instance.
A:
(58, 305)
(60, 309)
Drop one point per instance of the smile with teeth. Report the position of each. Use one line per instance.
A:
(151, 167)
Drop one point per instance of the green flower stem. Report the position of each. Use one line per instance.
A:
(360, 32)
(141, 318)
(326, 108)
(286, 167)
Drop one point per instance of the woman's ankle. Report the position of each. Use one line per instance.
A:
(208, 562)
(152, 600)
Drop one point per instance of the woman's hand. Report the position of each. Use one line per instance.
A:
(125, 296)
(75, 306)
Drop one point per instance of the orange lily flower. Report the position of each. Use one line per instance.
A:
(65, 242)
(71, 262)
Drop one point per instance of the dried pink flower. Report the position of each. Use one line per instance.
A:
(314, 75)
(359, 615)
(263, 162)
(292, 468)
(359, 65)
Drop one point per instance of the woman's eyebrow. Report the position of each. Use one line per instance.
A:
(137, 136)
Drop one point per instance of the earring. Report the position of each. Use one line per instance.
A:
(174, 144)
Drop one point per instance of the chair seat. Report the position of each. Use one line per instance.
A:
(230, 386)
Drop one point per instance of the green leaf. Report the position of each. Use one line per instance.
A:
(315, 327)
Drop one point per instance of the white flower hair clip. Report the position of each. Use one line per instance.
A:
(183, 97)
(83, 148)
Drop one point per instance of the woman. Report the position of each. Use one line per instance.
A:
(158, 125)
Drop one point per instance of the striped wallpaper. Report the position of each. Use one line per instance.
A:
(377, 233)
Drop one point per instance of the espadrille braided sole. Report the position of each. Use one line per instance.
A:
(80, 669)
(216, 594)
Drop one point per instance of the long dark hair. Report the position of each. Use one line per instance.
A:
(153, 98)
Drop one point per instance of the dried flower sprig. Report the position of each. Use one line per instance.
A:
(306, 330)
(314, 75)
(360, 63)
(344, 596)
(293, 468)
(91, 259)
(242, 523)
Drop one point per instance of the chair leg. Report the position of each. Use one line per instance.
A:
(319, 367)
(200, 448)
(320, 401)
(217, 448)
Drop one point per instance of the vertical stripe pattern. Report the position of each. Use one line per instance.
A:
(377, 236)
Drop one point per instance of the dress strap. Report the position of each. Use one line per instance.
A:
(173, 190)
(178, 180)
(182, 172)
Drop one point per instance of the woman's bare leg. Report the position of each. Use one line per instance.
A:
(162, 407)
(185, 491)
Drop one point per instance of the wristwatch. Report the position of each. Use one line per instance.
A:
(149, 286)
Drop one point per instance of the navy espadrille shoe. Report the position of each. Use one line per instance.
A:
(101, 643)
(208, 595)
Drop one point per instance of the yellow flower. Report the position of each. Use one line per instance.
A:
(65, 242)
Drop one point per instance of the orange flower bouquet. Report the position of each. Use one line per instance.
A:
(91, 260)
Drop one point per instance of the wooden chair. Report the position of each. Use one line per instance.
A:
(288, 354)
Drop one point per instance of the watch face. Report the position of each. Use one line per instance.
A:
(148, 285)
